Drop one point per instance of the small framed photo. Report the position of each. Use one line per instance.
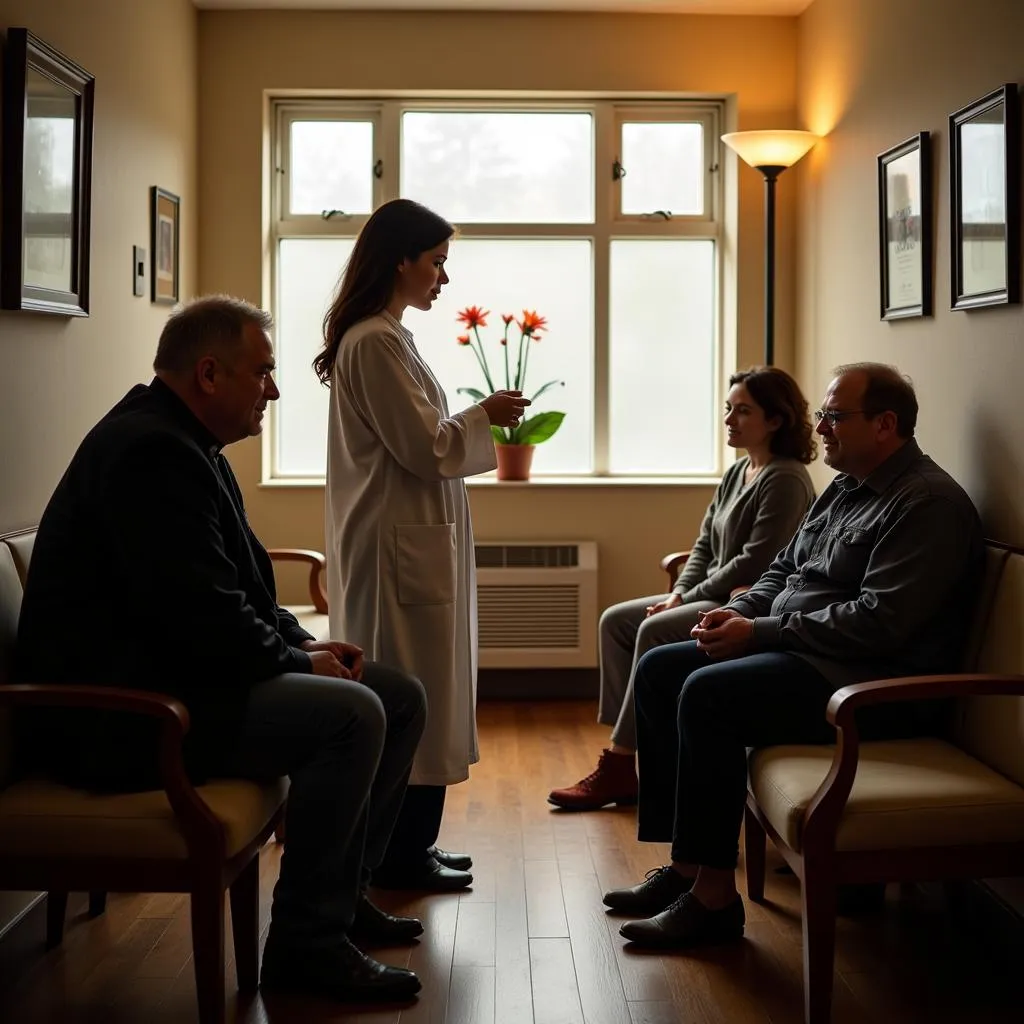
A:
(165, 214)
(905, 229)
(984, 181)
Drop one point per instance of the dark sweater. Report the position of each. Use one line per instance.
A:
(744, 528)
(146, 575)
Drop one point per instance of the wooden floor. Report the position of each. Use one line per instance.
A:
(531, 941)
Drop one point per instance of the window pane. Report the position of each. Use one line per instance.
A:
(664, 165)
(504, 275)
(308, 272)
(500, 168)
(663, 395)
(331, 166)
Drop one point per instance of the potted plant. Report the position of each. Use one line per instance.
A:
(514, 445)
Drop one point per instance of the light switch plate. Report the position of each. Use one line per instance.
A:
(138, 270)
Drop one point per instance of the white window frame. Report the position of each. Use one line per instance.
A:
(609, 223)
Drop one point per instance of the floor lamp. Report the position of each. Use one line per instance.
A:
(771, 152)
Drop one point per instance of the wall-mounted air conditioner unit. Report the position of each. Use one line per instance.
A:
(537, 604)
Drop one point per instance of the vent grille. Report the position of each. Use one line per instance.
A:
(529, 616)
(525, 556)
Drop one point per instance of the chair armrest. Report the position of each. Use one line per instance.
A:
(317, 567)
(672, 563)
(203, 831)
(736, 591)
(826, 807)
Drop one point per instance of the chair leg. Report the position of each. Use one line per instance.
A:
(208, 949)
(56, 911)
(97, 903)
(754, 842)
(819, 936)
(245, 922)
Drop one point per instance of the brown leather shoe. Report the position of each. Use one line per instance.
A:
(614, 782)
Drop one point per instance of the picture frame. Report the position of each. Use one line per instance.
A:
(984, 181)
(164, 237)
(45, 178)
(905, 229)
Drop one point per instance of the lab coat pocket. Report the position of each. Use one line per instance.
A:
(425, 563)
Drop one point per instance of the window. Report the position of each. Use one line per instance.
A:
(604, 217)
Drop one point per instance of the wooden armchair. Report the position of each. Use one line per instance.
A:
(675, 560)
(901, 810)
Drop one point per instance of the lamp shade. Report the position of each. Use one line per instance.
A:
(770, 148)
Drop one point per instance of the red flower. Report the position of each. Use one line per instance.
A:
(508, 318)
(463, 339)
(532, 323)
(474, 316)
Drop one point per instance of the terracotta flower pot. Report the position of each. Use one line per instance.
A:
(514, 461)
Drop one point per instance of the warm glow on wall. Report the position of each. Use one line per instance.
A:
(770, 148)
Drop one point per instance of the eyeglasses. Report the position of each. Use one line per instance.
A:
(834, 416)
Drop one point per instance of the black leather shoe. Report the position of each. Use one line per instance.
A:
(431, 876)
(371, 924)
(660, 888)
(458, 861)
(688, 923)
(342, 973)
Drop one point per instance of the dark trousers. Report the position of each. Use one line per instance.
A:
(416, 828)
(695, 720)
(347, 748)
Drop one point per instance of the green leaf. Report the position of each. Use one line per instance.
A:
(550, 384)
(499, 435)
(477, 396)
(539, 428)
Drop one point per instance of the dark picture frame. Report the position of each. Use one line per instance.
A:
(984, 214)
(46, 179)
(164, 237)
(905, 229)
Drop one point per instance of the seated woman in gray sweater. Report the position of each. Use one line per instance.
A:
(758, 505)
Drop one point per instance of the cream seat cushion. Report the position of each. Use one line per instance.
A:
(44, 819)
(311, 620)
(920, 792)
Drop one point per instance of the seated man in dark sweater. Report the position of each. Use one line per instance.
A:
(872, 586)
(145, 559)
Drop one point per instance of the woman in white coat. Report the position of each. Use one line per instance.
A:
(400, 569)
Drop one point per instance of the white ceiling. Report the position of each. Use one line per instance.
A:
(775, 7)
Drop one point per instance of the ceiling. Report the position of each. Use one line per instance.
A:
(774, 7)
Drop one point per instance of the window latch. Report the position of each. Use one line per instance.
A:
(378, 169)
(618, 171)
(663, 214)
(328, 214)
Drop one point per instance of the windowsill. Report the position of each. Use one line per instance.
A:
(489, 480)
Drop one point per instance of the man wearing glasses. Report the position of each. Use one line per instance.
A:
(874, 585)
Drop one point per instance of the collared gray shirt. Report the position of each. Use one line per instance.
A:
(880, 578)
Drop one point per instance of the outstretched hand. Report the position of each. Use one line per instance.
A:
(505, 408)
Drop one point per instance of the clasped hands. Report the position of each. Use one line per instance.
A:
(334, 658)
(723, 633)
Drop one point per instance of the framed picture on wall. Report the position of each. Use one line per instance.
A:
(984, 181)
(47, 179)
(165, 217)
(905, 229)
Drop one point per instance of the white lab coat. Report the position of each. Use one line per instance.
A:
(401, 576)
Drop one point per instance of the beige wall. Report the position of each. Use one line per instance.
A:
(872, 73)
(60, 374)
(243, 55)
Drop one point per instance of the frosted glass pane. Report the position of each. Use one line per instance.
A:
(555, 278)
(331, 166)
(308, 273)
(500, 168)
(664, 164)
(663, 403)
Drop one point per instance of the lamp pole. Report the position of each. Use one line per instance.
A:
(771, 173)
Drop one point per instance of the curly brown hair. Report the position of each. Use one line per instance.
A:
(779, 395)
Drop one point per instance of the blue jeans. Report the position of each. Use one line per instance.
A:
(695, 720)
(347, 748)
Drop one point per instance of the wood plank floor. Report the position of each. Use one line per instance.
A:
(531, 944)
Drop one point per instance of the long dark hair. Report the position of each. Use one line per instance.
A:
(398, 230)
(779, 395)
